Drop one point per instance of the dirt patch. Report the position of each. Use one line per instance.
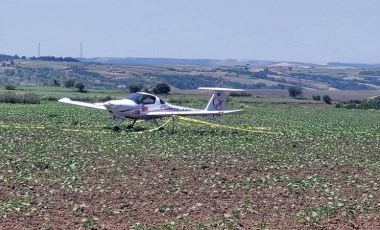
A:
(155, 192)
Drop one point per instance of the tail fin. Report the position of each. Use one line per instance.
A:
(218, 100)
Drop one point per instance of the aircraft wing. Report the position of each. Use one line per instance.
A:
(91, 105)
(192, 113)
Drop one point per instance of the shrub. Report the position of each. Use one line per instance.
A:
(316, 97)
(240, 94)
(355, 101)
(80, 86)
(368, 104)
(10, 87)
(49, 98)
(135, 88)
(161, 88)
(351, 106)
(327, 99)
(69, 83)
(13, 97)
(85, 99)
(106, 98)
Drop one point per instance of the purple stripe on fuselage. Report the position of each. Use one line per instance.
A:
(127, 110)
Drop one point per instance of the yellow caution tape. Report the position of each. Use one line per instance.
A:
(251, 129)
(19, 126)
(155, 129)
(257, 130)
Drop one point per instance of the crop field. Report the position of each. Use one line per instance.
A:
(276, 166)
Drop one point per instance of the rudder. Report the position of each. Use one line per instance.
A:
(217, 102)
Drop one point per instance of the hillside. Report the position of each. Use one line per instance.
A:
(203, 72)
(221, 62)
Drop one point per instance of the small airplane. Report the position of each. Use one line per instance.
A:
(147, 106)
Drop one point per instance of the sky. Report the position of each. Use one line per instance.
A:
(281, 30)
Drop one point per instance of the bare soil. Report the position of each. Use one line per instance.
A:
(154, 191)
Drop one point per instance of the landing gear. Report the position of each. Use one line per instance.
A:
(173, 118)
(118, 123)
(131, 125)
(155, 122)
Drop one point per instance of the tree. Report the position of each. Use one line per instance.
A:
(295, 91)
(135, 88)
(56, 82)
(80, 86)
(161, 88)
(69, 83)
(327, 99)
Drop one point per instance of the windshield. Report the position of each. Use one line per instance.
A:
(136, 97)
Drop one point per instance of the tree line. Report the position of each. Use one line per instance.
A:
(53, 58)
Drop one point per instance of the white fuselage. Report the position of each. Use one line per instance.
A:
(138, 109)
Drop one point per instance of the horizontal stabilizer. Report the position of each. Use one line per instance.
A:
(218, 101)
(91, 105)
(221, 89)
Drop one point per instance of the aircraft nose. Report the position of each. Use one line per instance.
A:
(109, 105)
(119, 104)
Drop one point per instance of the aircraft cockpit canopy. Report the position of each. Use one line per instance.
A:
(140, 98)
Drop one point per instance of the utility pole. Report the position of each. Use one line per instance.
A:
(81, 50)
(39, 49)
